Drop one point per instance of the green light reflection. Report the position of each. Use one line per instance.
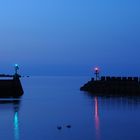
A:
(16, 126)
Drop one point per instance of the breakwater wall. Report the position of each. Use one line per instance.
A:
(11, 87)
(113, 85)
(119, 79)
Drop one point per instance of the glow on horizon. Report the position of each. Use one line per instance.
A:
(70, 34)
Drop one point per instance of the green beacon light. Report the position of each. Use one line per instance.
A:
(16, 68)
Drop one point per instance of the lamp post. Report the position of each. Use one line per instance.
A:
(96, 69)
(16, 69)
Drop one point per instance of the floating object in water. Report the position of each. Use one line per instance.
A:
(59, 127)
(68, 126)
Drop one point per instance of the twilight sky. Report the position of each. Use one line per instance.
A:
(62, 37)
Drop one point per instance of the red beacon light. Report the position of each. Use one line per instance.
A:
(96, 69)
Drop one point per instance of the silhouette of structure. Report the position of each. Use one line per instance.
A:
(11, 87)
(107, 85)
(96, 69)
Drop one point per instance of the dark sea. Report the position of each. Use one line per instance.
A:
(53, 108)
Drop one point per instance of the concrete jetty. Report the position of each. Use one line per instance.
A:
(11, 87)
(111, 85)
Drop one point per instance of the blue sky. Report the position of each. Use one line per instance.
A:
(70, 37)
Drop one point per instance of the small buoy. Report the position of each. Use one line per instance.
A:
(68, 126)
(59, 127)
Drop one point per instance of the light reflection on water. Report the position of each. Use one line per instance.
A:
(6, 106)
(16, 126)
(16, 122)
(52, 101)
(97, 121)
(121, 113)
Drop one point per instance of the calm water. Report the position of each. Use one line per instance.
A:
(50, 102)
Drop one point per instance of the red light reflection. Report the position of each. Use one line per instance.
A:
(96, 118)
